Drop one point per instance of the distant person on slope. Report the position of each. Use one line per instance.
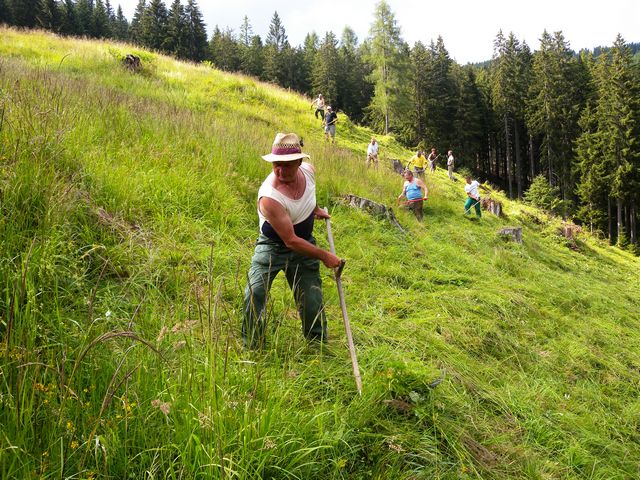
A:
(372, 153)
(419, 163)
(432, 158)
(319, 104)
(473, 196)
(415, 191)
(286, 211)
(450, 165)
(330, 120)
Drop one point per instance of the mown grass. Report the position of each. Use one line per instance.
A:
(128, 217)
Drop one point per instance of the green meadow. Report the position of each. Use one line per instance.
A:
(127, 226)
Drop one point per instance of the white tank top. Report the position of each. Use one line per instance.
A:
(298, 210)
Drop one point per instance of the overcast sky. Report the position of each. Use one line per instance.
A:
(468, 28)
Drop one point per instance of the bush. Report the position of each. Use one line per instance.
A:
(547, 197)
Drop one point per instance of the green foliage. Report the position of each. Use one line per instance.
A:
(542, 195)
(326, 69)
(387, 54)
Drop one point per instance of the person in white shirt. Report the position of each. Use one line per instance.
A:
(372, 153)
(286, 211)
(450, 164)
(319, 104)
(473, 197)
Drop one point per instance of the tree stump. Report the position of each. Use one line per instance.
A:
(569, 230)
(132, 62)
(397, 166)
(512, 233)
(491, 205)
(373, 208)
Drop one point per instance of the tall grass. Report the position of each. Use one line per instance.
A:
(128, 216)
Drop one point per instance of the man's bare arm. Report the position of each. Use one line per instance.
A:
(277, 216)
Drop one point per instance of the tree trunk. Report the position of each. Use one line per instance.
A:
(550, 166)
(532, 161)
(620, 225)
(507, 152)
(518, 160)
(632, 224)
(386, 121)
(492, 154)
(609, 223)
(386, 98)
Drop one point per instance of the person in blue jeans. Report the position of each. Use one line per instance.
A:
(415, 192)
(286, 211)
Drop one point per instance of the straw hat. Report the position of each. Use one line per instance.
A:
(286, 147)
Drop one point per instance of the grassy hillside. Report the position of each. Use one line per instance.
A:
(127, 226)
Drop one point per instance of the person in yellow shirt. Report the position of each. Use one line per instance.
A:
(419, 162)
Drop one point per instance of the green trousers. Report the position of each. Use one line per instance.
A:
(472, 203)
(303, 275)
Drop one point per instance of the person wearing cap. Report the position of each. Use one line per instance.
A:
(372, 153)
(286, 211)
(330, 120)
(319, 104)
(415, 192)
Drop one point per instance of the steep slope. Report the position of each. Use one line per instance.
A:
(128, 221)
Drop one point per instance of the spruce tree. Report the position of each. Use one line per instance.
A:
(353, 88)
(325, 70)
(276, 35)
(153, 25)
(293, 73)
(246, 32)
(471, 121)
(111, 15)
(619, 114)
(608, 154)
(101, 21)
(553, 107)
(85, 17)
(508, 98)
(275, 42)
(442, 105)
(309, 50)
(6, 15)
(387, 55)
(252, 60)
(420, 90)
(594, 168)
(69, 22)
(177, 41)
(135, 28)
(196, 32)
(49, 15)
(121, 26)
(24, 13)
(225, 54)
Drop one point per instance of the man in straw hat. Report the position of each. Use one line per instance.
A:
(286, 210)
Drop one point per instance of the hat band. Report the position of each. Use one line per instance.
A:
(285, 150)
